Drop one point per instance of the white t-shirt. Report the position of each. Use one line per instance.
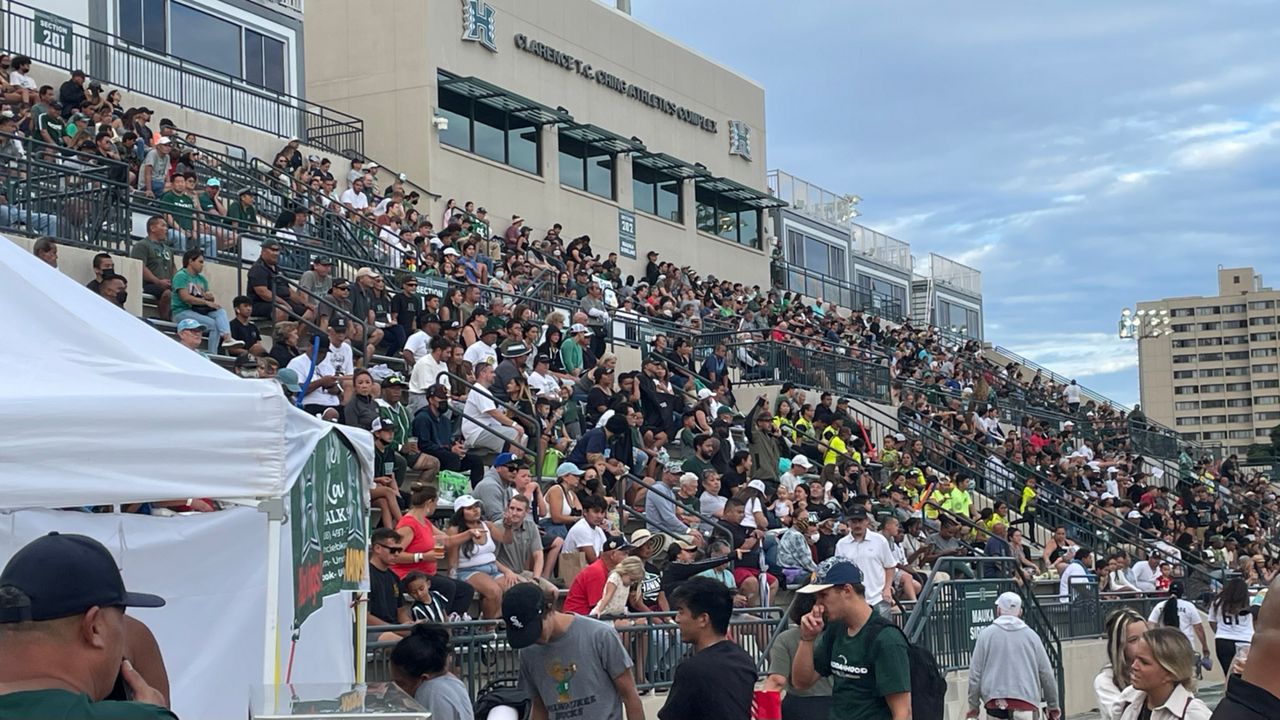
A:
(17, 79)
(478, 405)
(1071, 393)
(329, 365)
(419, 344)
(425, 373)
(479, 352)
(356, 200)
(581, 534)
(1236, 627)
(873, 556)
(1074, 574)
(790, 481)
(752, 507)
(1144, 576)
(546, 385)
(1189, 619)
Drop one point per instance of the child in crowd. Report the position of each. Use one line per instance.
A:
(428, 606)
(623, 581)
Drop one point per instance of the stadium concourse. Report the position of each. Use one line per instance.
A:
(680, 456)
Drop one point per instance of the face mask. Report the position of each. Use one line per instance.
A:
(500, 273)
(122, 297)
(813, 536)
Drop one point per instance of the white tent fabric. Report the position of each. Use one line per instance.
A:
(211, 568)
(99, 409)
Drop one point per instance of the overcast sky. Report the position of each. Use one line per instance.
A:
(1083, 156)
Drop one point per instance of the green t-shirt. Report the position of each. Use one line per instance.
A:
(181, 207)
(195, 284)
(695, 465)
(67, 704)
(157, 257)
(862, 675)
(571, 354)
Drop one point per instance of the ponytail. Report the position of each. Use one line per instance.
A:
(1169, 614)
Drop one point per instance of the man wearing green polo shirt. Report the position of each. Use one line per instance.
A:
(571, 349)
(863, 654)
(243, 214)
(179, 211)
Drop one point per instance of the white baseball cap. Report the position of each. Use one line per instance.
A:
(802, 461)
(1009, 603)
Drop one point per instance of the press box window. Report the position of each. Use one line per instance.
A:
(728, 219)
(656, 193)
(193, 34)
(587, 166)
(488, 131)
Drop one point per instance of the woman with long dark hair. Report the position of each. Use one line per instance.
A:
(420, 665)
(1182, 615)
(475, 558)
(1231, 619)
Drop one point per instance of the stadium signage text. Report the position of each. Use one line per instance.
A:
(613, 82)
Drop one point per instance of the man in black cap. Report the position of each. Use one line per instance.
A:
(272, 297)
(651, 269)
(63, 634)
(568, 663)
(243, 214)
(71, 93)
(514, 354)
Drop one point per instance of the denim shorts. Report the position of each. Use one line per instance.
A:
(490, 569)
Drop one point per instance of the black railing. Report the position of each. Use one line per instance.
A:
(114, 61)
(784, 362)
(65, 195)
(843, 293)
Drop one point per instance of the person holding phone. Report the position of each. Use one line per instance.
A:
(65, 637)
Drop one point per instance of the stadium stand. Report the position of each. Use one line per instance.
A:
(786, 411)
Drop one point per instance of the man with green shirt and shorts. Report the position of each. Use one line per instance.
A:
(180, 212)
(865, 657)
(64, 636)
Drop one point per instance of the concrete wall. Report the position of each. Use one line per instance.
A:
(77, 263)
(395, 92)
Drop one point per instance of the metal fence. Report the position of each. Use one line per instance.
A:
(837, 290)
(482, 655)
(47, 192)
(784, 362)
(114, 61)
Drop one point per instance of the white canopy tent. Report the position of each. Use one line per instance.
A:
(100, 409)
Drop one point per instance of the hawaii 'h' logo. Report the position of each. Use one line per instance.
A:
(740, 139)
(478, 23)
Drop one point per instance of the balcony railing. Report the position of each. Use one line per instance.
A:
(839, 291)
(115, 62)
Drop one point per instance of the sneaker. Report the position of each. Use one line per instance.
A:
(232, 343)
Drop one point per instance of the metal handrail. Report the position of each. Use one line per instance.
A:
(1059, 511)
(509, 407)
(870, 301)
(113, 60)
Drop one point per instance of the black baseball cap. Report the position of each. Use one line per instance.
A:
(338, 323)
(856, 513)
(615, 542)
(523, 607)
(841, 572)
(64, 575)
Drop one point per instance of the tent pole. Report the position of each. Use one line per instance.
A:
(271, 627)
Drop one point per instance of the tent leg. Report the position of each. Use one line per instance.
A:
(362, 635)
(271, 626)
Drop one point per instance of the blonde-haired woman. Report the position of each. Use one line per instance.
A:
(1162, 678)
(1124, 628)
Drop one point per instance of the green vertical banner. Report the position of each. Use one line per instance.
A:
(328, 510)
(627, 234)
(52, 31)
(980, 605)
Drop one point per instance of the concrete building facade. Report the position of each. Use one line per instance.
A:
(562, 111)
(1212, 370)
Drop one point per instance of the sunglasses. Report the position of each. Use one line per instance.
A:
(390, 548)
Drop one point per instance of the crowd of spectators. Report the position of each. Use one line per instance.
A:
(513, 449)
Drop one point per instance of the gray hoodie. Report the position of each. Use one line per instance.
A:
(1009, 661)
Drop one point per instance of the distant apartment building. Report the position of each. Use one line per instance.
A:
(1213, 371)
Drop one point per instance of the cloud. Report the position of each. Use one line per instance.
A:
(1078, 355)
(1128, 151)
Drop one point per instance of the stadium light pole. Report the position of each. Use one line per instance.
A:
(1142, 325)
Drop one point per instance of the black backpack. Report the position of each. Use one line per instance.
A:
(928, 685)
